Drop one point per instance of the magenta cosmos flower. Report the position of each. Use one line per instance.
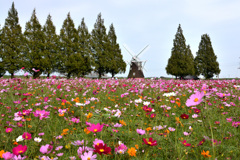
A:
(195, 99)
(27, 136)
(150, 142)
(8, 130)
(41, 114)
(19, 150)
(95, 128)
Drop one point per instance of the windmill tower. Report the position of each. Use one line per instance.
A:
(136, 65)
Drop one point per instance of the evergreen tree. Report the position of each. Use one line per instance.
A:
(50, 46)
(12, 42)
(206, 60)
(70, 59)
(34, 47)
(2, 70)
(116, 63)
(84, 48)
(100, 46)
(181, 62)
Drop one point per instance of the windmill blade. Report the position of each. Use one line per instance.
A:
(142, 50)
(144, 65)
(128, 51)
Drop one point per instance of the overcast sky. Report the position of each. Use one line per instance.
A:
(149, 22)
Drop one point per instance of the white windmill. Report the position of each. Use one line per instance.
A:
(136, 65)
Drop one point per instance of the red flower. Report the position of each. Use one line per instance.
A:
(201, 142)
(185, 143)
(150, 142)
(153, 115)
(19, 150)
(27, 136)
(184, 116)
(197, 111)
(102, 149)
(59, 86)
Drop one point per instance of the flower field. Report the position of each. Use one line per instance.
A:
(119, 119)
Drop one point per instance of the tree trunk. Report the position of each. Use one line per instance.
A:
(68, 75)
(48, 75)
(12, 75)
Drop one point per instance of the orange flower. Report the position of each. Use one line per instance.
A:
(122, 122)
(28, 119)
(206, 154)
(1, 153)
(65, 130)
(86, 131)
(148, 129)
(132, 151)
(89, 115)
(136, 146)
(15, 143)
(61, 115)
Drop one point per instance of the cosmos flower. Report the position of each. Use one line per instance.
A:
(195, 99)
(150, 142)
(95, 128)
(102, 149)
(88, 156)
(185, 143)
(140, 131)
(184, 116)
(19, 150)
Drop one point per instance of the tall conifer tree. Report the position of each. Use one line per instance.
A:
(51, 46)
(100, 48)
(179, 64)
(2, 70)
(116, 63)
(84, 48)
(206, 60)
(70, 59)
(12, 39)
(34, 47)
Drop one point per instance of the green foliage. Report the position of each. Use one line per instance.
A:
(84, 48)
(181, 62)
(100, 46)
(51, 43)
(206, 60)
(116, 63)
(71, 60)
(34, 46)
(11, 43)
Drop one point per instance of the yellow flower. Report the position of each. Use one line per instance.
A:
(132, 151)
(206, 154)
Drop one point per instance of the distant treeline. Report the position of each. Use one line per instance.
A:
(74, 52)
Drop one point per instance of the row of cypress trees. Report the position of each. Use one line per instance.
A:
(182, 62)
(74, 52)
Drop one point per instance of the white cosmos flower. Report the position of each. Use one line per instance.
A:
(80, 104)
(138, 100)
(19, 139)
(169, 94)
(194, 116)
(37, 139)
(146, 103)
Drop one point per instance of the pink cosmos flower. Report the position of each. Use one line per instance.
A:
(26, 74)
(97, 142)
(121, 149)
(7, 156)
(89, 156)
(46, 149)
(27, 136)
(195, 99)
(117, 125)
(8, 130)
(95, 128)
(140, 131)
(185, 143)
(41, 114)
(19, 150)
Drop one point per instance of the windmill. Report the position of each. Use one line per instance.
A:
(136, 65)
